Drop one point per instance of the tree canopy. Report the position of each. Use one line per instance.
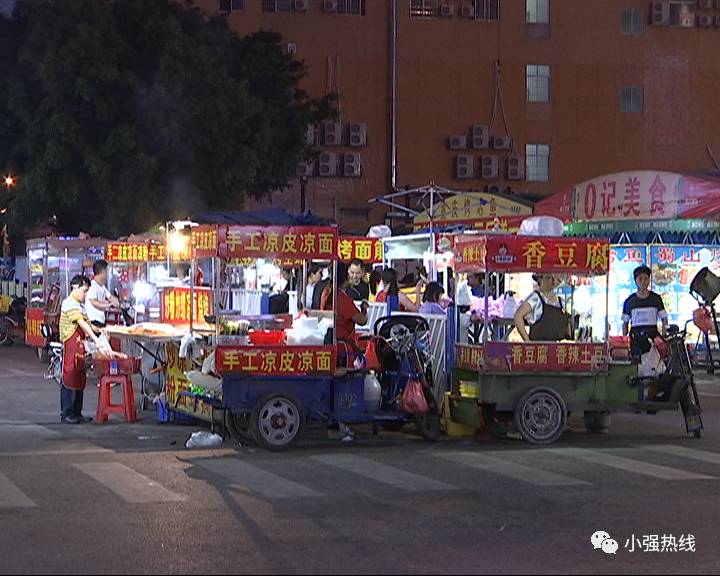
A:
(116, 115)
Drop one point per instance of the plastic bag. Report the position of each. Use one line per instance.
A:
(413, 398)
(651, 364)
(371, 357)
(204, 439)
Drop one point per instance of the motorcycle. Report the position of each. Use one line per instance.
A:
(12, 323)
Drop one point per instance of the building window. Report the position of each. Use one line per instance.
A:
(277, 5)
(232, 5)
(682, 13)
(631, 99)
(632, 21)
(537, 162)
(487, 9)
(537, 11)
(351, 7)
(538, 83)
(423, 8)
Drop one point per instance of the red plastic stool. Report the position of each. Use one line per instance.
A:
(105, 405)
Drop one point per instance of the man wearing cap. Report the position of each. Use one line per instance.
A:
(642, 311)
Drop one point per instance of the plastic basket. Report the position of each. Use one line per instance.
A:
(114, 366)
(267, 337)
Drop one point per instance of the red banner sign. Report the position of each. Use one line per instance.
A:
(134, 252)
(204, 241)
(369, 250)
(175, 305)
(275, 360)
(34, 318)
(533, 357)
(281, 242)
(533, 254)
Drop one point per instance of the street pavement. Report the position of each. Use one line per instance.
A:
(130, 498)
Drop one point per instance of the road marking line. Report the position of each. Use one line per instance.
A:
(130, 485)
(11, 496)
(691, 453)
(256, 479)
(26, 427)
(627, 464)
(711, 394)
(66, 452)
(383, 473)
(513, 470)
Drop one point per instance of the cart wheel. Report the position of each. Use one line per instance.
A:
(239, 426)
(276, 422)
(597, 421)
(541, 416)
(5, 338)
(429, 424)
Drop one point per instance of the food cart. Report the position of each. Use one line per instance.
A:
(52, 262)
(533, 386)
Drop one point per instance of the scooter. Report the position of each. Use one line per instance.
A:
(12, 323)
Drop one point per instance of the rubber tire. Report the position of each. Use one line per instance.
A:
(596, 422)
(5, 337)
(526, 434)
(239, 427)
(429, 425)
(255, 422)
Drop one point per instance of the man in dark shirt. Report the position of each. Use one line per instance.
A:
(643, 310)
(356, 288)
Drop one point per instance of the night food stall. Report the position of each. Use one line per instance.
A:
(532, 386)
(52, 262)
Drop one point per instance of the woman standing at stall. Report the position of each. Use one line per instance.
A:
(543, 310)
(390, 288)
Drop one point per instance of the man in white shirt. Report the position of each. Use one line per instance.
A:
(99, 300)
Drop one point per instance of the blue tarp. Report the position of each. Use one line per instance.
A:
(269, 217)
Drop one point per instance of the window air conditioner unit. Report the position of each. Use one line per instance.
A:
(502, 142)
(352, 166)
(704, 21)
(516, 168)
(480, 136)
(328, 164)
(458, 142)
(358, 134)
(661, 13)
(305, 169)
(468, 11)
(489, 167)
(464, 166)
(300, 5)
(332, 133)
(329, 5)
(446, 10)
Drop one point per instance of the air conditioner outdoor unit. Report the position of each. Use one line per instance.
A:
(704, 4)
(332, 133)
(329, 5)
(464, 166)
(446, 10)
(516, 168)
(661, 13)
(467, 11)
(717, 4)
(352, 166)
(480, 136)
(358, 134)
(310, 135)
(717, 21)
(489, 167)
(501, 142)
(300, 5)
(328, 164)
(305, 168)
(458, 142)
(704, 21)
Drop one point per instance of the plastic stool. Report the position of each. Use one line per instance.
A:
(105, 405)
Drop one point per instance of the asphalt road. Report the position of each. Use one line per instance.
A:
(129, 498)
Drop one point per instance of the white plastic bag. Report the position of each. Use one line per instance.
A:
(204, 439)
(651, 364)
(541, 226)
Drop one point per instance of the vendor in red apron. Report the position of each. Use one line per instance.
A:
(74, 329)
(543, 311)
